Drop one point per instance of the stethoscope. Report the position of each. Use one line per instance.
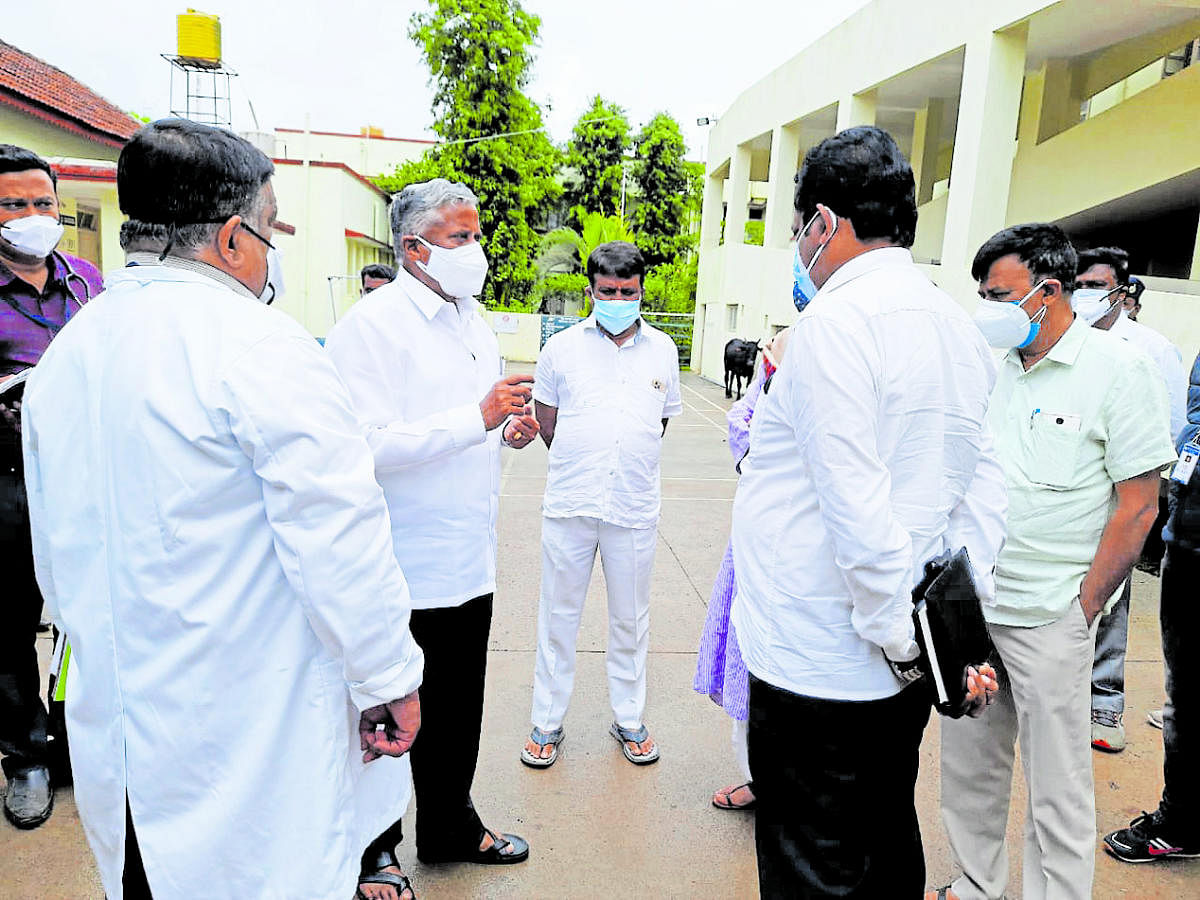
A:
(53, 326)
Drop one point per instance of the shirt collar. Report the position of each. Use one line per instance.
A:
(57, 275)
(191, 265)
(883, 257)
(1065, 350)
(429, 302)
(591, 323)
(1123, 325)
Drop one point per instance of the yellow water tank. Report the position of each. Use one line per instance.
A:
(198, 37)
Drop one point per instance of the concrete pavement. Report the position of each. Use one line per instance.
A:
(601, 827)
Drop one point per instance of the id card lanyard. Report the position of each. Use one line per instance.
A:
(1186, 464)
(50, 324)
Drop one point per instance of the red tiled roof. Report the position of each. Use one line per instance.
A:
(42, 90)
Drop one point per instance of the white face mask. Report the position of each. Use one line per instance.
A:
(273, 289)
(35, 236)
(1006, 325)
(460, 271)
(1093, 304)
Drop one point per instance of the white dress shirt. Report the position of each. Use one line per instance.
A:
(869, 456)
(208, 532)
(1166, 357)
(417, 367)
(604, 460)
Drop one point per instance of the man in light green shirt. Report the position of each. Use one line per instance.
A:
(1079, 418)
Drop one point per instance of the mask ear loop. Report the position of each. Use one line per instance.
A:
(171, 235)
(1120, 301)
(832, 233)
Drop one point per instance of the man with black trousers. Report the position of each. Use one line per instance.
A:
(1173, 830)
(40, 289)
(425, 373)
(875, 430)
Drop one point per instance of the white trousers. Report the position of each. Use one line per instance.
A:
(569, 548)
(1045, 699)
(741, 749)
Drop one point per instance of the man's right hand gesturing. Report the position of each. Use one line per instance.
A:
(508, 397)
(401, 720)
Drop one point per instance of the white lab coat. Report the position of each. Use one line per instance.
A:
(209, 534)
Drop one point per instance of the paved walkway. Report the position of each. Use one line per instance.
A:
(600, 827)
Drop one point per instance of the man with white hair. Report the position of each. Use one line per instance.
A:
(425, 373)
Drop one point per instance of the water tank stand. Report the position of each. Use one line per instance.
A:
(204, 94)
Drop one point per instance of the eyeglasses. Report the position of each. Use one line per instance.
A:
(257, 235)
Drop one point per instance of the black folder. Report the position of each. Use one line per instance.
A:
(951, 630)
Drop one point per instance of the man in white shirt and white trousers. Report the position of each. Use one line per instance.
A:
(603, 393)
(208, 533)
(425, 373)
(868, 458)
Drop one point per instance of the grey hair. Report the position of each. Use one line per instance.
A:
(417, 206)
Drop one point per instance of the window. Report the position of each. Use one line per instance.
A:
(731, 316)
(1176, 62)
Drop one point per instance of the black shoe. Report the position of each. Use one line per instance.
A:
(30, 798)
(506, 850)
(1145, 841)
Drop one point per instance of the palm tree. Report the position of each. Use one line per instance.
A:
(564, 251)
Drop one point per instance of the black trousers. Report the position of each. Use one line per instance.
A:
(835, 781)
(1180, 616)
(444, 755)
(133, 877)
(23, 721)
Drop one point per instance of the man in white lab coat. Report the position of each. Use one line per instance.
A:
(425, 374)
(208, 532)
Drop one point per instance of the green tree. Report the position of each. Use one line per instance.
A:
(596, 151)
(665, 184)
(671, 286)
(479, 54)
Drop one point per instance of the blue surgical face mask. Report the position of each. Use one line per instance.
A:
(616, 315)
(1006, 325)
(803, 287)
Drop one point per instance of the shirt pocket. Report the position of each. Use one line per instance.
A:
(579, 389)
(1054, 449)
(647, 402)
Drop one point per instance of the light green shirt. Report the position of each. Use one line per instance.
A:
(1090, 413)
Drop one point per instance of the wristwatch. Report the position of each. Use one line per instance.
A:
(907, 672)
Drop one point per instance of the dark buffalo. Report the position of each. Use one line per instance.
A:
(739, 364)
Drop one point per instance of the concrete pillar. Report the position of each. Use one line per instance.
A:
(739, 195)
(1031, 108)
(711, 211)
(927, 131)
(1061, 98)
(785, 152)
(981, 168)
(857, 109)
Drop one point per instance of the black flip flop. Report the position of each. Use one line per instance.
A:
(749, 785)
(399, 882)
(494, 855)
(383, 859)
